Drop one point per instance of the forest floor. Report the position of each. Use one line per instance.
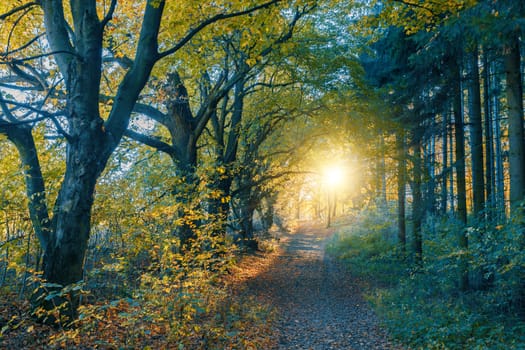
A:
(319, 304)
(315, 304)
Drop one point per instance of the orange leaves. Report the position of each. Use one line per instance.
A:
(186, 307)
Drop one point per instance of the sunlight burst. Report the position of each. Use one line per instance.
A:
(334, 176)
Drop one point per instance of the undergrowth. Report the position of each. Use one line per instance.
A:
(422, 307)
(169, 301)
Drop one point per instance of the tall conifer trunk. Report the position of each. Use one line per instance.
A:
(401, 191)
(446, 170)
(460, 175)
(514, 90)
(489, 135)
(417, 204)
(476, 132)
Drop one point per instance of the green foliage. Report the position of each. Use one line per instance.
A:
(421, 307)
(369, 239)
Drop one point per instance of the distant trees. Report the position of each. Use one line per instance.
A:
(441, 74)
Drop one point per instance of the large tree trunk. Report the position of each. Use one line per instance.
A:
(90, 141)
(85, 158)
(514, 90)
(476, 151)
(64, 256)
(182, 127)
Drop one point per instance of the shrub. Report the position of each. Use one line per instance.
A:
(422, 306)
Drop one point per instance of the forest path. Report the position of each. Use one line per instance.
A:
(319, 303)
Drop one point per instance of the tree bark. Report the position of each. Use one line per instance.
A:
(489, 135)
(23, 140)
(514, 91)
(226, 148)
(401, 191)
(499, 180)
(476, 133)
(459, 134)
(460, 175)
(90, 141)
(446, 170)
(417, 204)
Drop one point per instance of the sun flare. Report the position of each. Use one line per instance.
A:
(334, 176)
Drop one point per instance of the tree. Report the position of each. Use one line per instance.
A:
(75, 38)
(514, 90)
(220, 93)
(476, 131)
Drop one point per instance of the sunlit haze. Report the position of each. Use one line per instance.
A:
(334, 176)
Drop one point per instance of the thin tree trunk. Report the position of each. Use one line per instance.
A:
(7, 239)
(460, 176)
(328, 209)
(476, 133)
(381, 173)
(489, 145)
(401, 191)
(444, 151)
(499, 204)
(417, 205)
(23, 140)
(514, 91)
(247, 207)
(430, 193)
(452, 147)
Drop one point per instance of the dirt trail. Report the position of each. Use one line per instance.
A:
(320, 304)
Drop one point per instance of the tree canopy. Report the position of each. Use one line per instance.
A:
(152, 141)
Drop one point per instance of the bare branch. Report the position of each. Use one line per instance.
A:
(150, 141)
(31, 58)
(151, 112)
(29, 43)
(109, 15)
(15, 121)
(267, 178)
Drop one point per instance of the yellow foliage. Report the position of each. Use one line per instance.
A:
(414, 15)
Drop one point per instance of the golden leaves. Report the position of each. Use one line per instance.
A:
(155, 3)
(415, 15)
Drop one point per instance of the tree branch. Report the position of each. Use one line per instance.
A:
(57, 35)
(151, 142)
(415, 4)
(18, 9)
(222, 16)
(137, 76)
(110, 13)
(151, 112)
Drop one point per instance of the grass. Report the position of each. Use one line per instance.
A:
(422, 307)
